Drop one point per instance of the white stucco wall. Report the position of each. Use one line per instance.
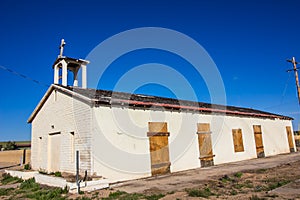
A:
(123, 152)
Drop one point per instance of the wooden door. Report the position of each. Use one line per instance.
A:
(159, 147)
(54, 152)
(259, 141)
(290, 138)
(205, 145)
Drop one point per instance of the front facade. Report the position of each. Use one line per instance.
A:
(122, 136)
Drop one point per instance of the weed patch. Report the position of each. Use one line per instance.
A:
(154, 197)
(120, 195)
(5, 191)
(233, 192)
(238, 174)
(27, 167)
(115, 195)
(200, 193)
(225, 179)
(29, 184)
(8, 179)
(57, 174)
(278, 184)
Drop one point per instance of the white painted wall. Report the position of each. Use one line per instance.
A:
(113, 142)
(64, 114)
(123, 152)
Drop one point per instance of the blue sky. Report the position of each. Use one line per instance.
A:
(249, 42)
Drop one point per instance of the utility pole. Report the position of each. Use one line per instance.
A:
(295, 69)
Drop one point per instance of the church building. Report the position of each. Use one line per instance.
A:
(122, 136)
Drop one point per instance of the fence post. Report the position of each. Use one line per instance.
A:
(24, 156)
(77, 172)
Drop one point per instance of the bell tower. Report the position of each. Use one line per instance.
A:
(64, 64)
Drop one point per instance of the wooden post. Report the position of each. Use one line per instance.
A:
(24, 156)
(293, 61)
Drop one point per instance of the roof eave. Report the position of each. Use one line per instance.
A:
(46, 96)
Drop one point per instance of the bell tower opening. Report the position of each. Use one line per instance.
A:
(63, 65)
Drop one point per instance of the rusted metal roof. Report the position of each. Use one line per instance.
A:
(136, 101)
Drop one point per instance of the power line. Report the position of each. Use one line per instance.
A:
(285, 88)
(23, 76)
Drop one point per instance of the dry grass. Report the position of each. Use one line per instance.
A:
(14, 156)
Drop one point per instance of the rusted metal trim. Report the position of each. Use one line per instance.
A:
(159, 165)
(129, 102)
(204, 132)
(205, 157)
(150, 134)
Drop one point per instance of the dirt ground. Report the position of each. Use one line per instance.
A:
(276, 177)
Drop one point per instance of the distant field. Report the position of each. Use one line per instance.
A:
(14, 156)
(17, 142)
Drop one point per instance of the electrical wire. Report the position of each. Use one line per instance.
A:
(285, 88)
(24, 76)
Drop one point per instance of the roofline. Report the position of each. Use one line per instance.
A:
(143, 103)
(197, 108)
(48, 93)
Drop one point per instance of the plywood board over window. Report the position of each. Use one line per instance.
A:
(290, 138)
(159, 147)
(205, 144)
(238, 140)
(258, 141)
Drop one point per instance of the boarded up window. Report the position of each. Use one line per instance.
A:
(290, 138)
(159, 147)
(258, 141)
(238, 140)
(205, 144)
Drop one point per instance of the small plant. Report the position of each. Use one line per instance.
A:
(8, 179)
(27, 167)
(41, 171)
(5, 191)
(259, 188)
(57, 174)
(154, 197)
(248, 184)
(30, 184)
(225, 179)
(45, 193)
(200, 193)
(115, 195)
(81, 192)
(65, 190)
(238, 174)
(238, 186)
(233, 192)
(278, 184)
(133, 196)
